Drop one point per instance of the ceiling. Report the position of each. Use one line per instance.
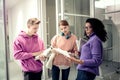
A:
(8, 4)
(11, 3)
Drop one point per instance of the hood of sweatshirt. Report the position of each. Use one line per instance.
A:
(24, 34)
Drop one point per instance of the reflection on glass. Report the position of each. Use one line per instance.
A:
(77, 6)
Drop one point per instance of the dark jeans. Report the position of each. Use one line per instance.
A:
(84, 75)
(32, 75)
(56, 73)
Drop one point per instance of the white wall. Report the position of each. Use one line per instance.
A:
(17, 18)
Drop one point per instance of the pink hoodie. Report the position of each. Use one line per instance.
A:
(24, 46)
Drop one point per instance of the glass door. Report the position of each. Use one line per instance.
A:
(3, 55)
(75, 12)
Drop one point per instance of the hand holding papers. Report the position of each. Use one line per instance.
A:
(60, 51)
(50, 53)
(45, 53)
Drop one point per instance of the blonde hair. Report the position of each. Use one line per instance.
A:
(33, 21)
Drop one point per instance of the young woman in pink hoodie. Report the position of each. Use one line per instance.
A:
(26, 46)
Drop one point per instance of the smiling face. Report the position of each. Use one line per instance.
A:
(88, 29)
(64, 29)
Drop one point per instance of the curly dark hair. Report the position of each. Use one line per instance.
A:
(98, 28)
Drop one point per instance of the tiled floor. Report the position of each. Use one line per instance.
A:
(108, 70)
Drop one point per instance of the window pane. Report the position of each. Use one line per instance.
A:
(77, 6)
